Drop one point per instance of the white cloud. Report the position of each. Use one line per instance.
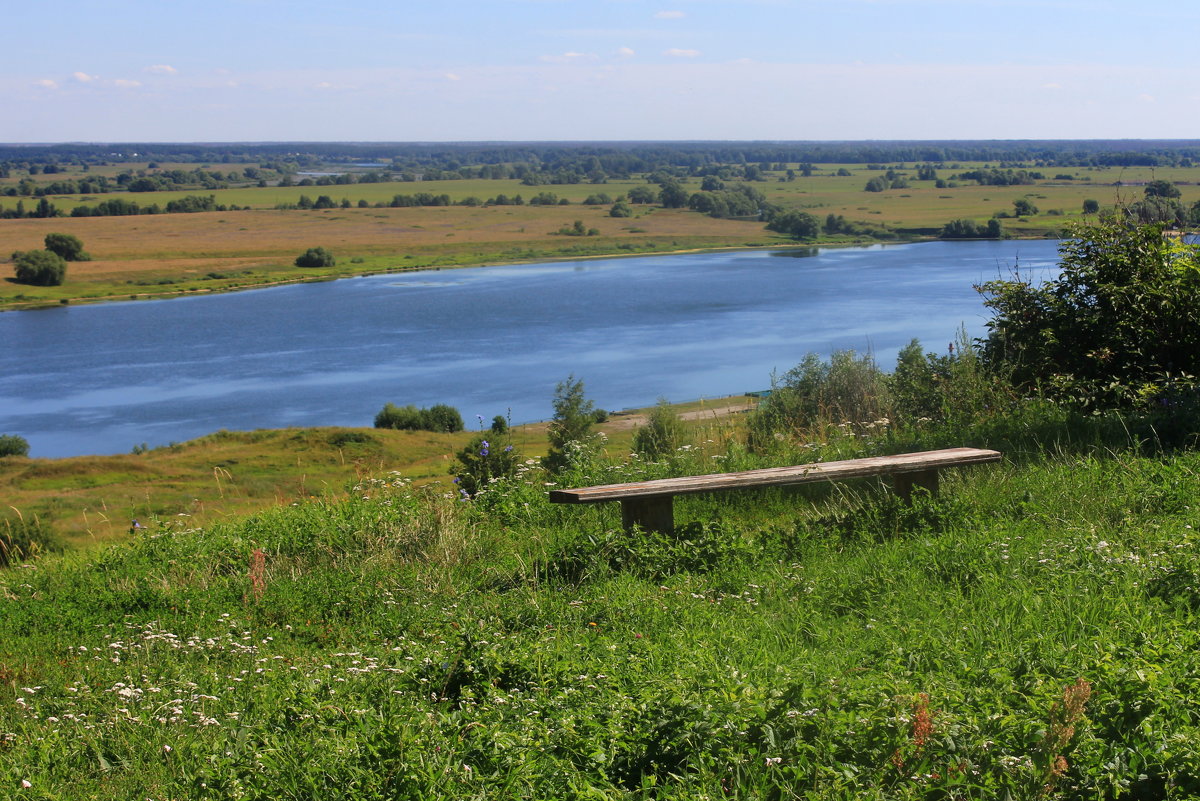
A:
(625, 51)
(47, 83)
(1145, 98)
(83, 77)
(670, 15)
(1052, 86)
(126, 84)
(569, 58)
(161, 69)
(323, 85)
(450, 76)
(681, 53)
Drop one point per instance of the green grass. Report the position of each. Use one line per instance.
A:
(830, 643)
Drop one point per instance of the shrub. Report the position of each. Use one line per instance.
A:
(404, 418)
(574, 416)
(315, 257)
(816, 394)
(440, 418)
(12, 445)
(39, 268)
(663, 433)
(69, 247)
(1116, 328)
(620, 209)
(486, 458)
(499, 424)
(799, 224)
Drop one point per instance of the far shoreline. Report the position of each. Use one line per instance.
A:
(39, 305)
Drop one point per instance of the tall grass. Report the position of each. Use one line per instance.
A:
(830, 643)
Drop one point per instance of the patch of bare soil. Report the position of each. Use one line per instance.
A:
(620, 421)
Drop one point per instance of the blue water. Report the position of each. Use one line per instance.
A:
(102, 378)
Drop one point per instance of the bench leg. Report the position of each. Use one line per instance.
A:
(652, 514)
(904, 482)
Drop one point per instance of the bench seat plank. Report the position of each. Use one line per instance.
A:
(780, 476)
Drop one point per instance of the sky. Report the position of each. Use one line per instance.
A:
(521, 70)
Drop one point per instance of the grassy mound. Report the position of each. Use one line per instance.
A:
(1031, 632)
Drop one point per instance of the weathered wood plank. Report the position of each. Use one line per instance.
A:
(923, 463)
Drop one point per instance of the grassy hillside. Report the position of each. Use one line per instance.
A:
(1032, 632)
(90, 500)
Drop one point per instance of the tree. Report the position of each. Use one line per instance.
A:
(673, 195)
(1156, 209)
(402, 418)
(1091, 206)
(620, 209)
(443, 418)
(1115, 328)
(799, 224)
(574, 415)
(69, 247)
(39, 268)
(315, 257)
(12, 445)
(1161, 188)
(1024, 208)
(642, 194)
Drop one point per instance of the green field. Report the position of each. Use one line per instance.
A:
(1031, 634)
(159, 255)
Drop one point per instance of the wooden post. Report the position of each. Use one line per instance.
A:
(654, 513)
(904, 482)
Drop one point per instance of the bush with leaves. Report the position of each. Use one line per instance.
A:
(13, 445)
(663, 433)
(1116, 328)
(440, 418)
(69, 247)
(39, 268)
(486, 458)
(574, 415)
(815, 394)
(315, 257)
(798, 224)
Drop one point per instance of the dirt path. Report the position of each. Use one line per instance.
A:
(621, 421)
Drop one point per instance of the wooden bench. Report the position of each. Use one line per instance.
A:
(649, 503)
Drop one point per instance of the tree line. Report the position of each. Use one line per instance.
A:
(618, 159)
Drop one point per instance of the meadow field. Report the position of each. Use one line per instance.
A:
(157, 255)
(88, 501)
(1030, 633)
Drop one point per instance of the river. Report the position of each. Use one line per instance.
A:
(96, 379)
